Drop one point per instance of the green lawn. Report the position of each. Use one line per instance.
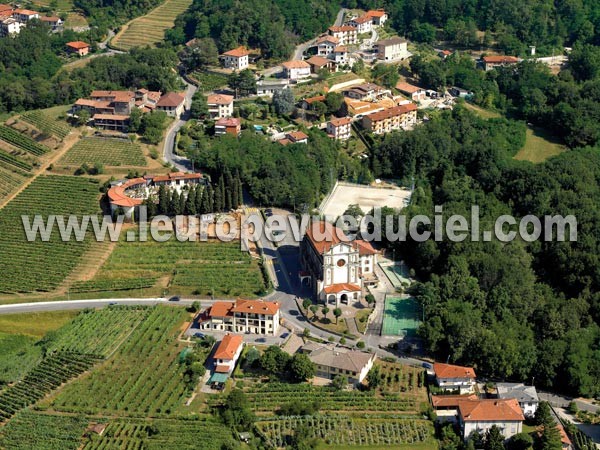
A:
(539, 146)
(35, 324)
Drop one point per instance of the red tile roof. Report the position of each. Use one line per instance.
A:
(494, 410)
(228, 346)
(311, 100)
(116, 96)
(392, 112)
(376, 13)
(222, 368)
(341, 49)
(256, 307)
(449, 401)
(342, 29)
(295, 64)
(341, 287)
(318, 61)
(228, 122)
(117, 117)
(237, 52)
(341, 121)
(221, 309)
(171, 100)
(500, 59)
(451, 371)
(364, 247)
(26, 12)
(219, 99)
(362, 19)
(49, 19)
(117, 195)
(78, 45)
(407, 87)
(328, 38)
(295, 136)
(4, 7)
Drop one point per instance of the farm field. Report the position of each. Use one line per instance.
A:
(11, 177)
(142, 378)
(21, 141)
(110, 152)
(35, 324)
(19, 355)
(150, 29)
(198, 268)
(539, 146)
(48, 122)
(54, 259)
(61, 5)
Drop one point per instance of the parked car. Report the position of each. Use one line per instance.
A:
(174, 299)
(199, 335)
(427, 365)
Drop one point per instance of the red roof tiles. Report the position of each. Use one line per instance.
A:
(490, 410)
(451, 371)
(228, 346)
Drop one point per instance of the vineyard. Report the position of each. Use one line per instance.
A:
(110, 152)
(10, 178)
(142, 377)
(22, 141)
(42, 266)
(344, 431)
(50, 373)
(199, 268)
(19, 355)
(29, 430)
(46, 124)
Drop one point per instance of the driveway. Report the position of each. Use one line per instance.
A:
(181, 163)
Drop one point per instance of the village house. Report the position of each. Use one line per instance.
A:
(392, 49)
(481, 415)
(339, 128)
(112, 122)
(220, 105)
(334, 264)
(415, 93)
(367, 92)
(172, 103)
(525, 395)
(363, 24)
(117, 102)
(326, 44)
(340, 55)
(378, 16)
(10, 27)
(25, 15)
(296, 69)
(236, 59)
(5, 10)
(401, 117)
(269, 87)
(491, 62)
(54, 22)
(451, 378)
(361, 108)
(242, 316)
(227, 353)
(446, 406)
(120, 102)
(331, 360)
(308, 103)
(345, 34)
(146, 100)
(444, 53)
(297, 137)
(228, 125)
(318, 62)
(79, 47)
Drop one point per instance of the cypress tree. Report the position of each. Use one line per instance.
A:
(211, 198)
(198, 198)
(182, 202)
(174, 203)
(235, 201)
(240, 189)
(218, 198)
(205, 205)
(190, 204)
(163, 200)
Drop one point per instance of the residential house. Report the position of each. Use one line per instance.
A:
(236, 59)
(378, 16)
(450, 377)
(340, 55)
(334, 264)
(112, 122)
(339, 128)
(330, 361)
(359, 108)
(220, 105)
(415, 93)
(227, 353)
(242, 316)
(228, 125)
(296, 69)
(5, 10)
(318, 62)
(10, 27)
(79, 47)
(121, 102)
(172, 103)
(146, 99)
(54, 22)
(326, 45)
(564, 438)
(345, 34)
(363, 24)
(444, 53)
(269, 87)
(481, 415)
(460, 92)
(308, 103)
(491, 62)
(399, 117)
(525, 395)
(297, 137)
(25, 15)
(392, 49)
(367, 92)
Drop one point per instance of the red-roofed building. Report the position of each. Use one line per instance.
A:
(416, 93)
(455, 378)
(25, 15)
(335, 265)
(345, 34)
(172, 103)
(228, 125)
(227, 353)
(296, 69)
(401, 117)
(339, 129)
(363, 24)
(79, 47)
(112, 122)
(242, 316)
(481, 415)
(491, 62)
(297, 137)
(53, 22)
(378, 16)
(318, 62)
(236, 59)
(220, 105)
(326, 44)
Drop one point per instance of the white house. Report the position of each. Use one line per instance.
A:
(25, 15)
(525, 395)
(378, 16)
(220, 105)
(227, 353)
(296, 69)
(172, 103)
(236, 59)
(335, 264)
(10, 27)
(455, 378)
(242, 316)
(269, 86)
(392, 49)
(330, 361)
(340, 54)
(345, 34)
(326, 45)
(481, 415)
(339, 128)
(363, 24)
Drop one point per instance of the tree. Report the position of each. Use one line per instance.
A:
(199, 106)
(334, 101)
(252, 357)
(337, 312)
(374, 377)
(283, 101)
(494, 440)
(339, 382)
(83, 117)
(325, 311)
(243, 83)
(301, 368)
(520, 441)
(200, 54)
(319, 108)
(274, 360)
(370, 299)
(543, 415)
(313, 310)
(306, 303)
(236, 412)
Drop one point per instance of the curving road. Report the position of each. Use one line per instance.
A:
(179, 162)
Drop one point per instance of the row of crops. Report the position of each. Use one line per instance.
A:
(344, 431)
(50, 373)
(113, 285)
(142, 377)
(46, 124)
(22, 141)
(42, 266)
(14, 161)
(111, 152)
(10, 179)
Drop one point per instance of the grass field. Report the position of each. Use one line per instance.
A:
(19, 355)
(35, 324)
(42, 266)
(150, 29)
(61, 5)
(199, 268)
(401, 316)
(110, 152)
(539, 146)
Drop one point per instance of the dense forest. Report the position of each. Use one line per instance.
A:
(515, 310)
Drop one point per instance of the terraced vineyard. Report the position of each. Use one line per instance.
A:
(192, 267)
(143, 377)
(46, 123)
(150, 29)
(22, 141)
(10, 178)
(110, 152)
(42, 266)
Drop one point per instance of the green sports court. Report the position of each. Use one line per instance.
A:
(401, 316)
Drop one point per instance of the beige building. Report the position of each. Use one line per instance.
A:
(451, 378)
(481, 415)
(491, 62)
(296, 69)
(339, 128)
(392, 49)
(242, 316)
(227, 353)
(399, 117)
(236, 59)
(345, 34)
(220, 105)
(79, 47)
(326, 45)
(363, 24)
(172, 103)
(330, 361)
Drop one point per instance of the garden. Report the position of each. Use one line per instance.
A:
(110, 152)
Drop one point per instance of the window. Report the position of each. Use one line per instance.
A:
(341, 262)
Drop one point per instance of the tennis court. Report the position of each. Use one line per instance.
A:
(396, 272)
(401, 316)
